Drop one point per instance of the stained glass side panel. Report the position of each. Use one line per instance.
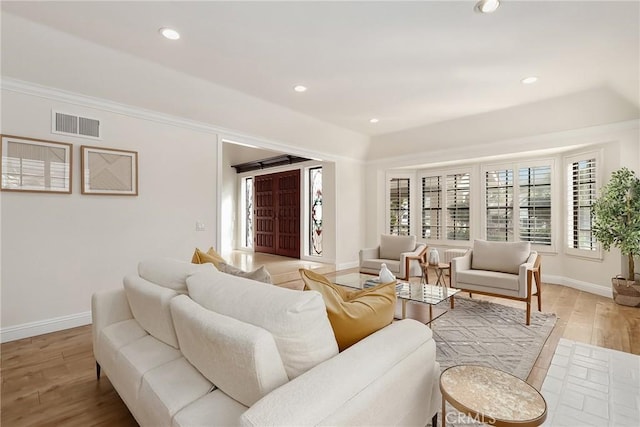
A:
(315, 211)
(248, 212)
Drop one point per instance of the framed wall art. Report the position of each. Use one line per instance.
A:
(35, 165)
(108, 171)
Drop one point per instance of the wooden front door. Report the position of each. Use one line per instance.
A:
(277, 213)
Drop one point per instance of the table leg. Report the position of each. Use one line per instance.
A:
(404, 308)
(430, 313)
(452, 302)
(444, 413)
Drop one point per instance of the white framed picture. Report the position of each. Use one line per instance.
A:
(36, 165)
(108, 171)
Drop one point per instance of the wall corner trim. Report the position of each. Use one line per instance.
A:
(31, 329)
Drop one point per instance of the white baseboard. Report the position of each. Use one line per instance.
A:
(347, 265)
(592, 288)
(31, 329)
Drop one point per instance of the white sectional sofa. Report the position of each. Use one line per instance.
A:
(186, 345)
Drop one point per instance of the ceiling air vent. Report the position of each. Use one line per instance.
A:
(69, 124)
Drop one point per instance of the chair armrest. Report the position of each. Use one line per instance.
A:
(418, 253)
(384, 379)
(107, 308)
(369, 253)
(529, 265)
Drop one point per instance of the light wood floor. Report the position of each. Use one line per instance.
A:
(50, 379)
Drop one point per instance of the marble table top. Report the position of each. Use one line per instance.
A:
(493, 394)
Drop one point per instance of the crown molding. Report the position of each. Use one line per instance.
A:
(61, 95)
(512, 147)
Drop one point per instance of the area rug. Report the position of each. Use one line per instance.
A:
(490, 334)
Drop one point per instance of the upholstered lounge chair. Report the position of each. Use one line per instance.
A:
(502, 269)
(402, 254)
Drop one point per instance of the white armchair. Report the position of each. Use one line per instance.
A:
(503, 269)
(402, 254)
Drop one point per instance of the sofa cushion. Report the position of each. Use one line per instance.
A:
(150, 307)
(209, 257)
(167, 389)
(239, 358)
(374, 264)
(214, 409)
(505, 257)
(114, 337)
(297, 320)
(259, 274)
(354, 315)
(490, 279)
(392, 246)
(136, 359)
(169, 273)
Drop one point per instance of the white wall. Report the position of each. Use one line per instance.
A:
(59, 249)
(350, 212)
(228, 203)
(619, 144)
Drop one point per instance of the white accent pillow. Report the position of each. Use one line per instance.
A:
(240, 359)
(297, 320)
(150, 307)
(505, 257)
(170, 273)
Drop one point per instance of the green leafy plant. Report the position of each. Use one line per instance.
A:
(616, 215)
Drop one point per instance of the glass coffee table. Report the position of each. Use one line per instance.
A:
(406, 292)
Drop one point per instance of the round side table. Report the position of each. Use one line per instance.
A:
(491, 397)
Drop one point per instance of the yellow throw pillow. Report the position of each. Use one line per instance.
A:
(353, 315)
(211, 256)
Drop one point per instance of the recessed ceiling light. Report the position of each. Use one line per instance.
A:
(300, 88)
(170, 33)
(487, 6)
(374, 120)
(529, 80)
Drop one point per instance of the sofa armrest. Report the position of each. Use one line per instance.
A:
(386, 379)
(107, 308)
(459, 264)
(369, 253)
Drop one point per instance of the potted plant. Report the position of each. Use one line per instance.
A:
(616, 222)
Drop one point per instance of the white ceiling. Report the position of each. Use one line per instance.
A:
(407, 63)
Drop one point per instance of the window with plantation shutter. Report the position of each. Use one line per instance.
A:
(432, 207)
(534, 204)
(581, 185)
(399, 206)
(458, 197)
(499, 205)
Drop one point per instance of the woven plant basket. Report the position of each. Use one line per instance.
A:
(626, 292)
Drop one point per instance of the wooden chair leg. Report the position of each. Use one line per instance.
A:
(536, 275)
(529, 286)
(97, 371)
